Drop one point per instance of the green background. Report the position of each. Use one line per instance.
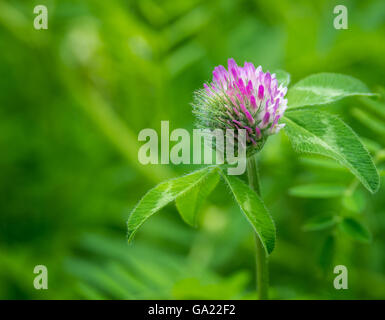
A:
(73, 99)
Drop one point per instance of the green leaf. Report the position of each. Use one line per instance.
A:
(375, 106)
(283, 77)
(324, 88)
(356, 230)
(321, 162)
(354, 202)
(319, 190)
(162, 194)
(320, 223)
(371, 145)
(190, 202)
(373, 123)
(327, 253)
(322, 133)
(255, 211)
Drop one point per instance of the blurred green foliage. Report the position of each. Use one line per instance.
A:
(73, 99)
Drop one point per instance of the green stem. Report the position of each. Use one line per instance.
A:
(261, 257)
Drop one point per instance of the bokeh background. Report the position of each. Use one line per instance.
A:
(73, 99)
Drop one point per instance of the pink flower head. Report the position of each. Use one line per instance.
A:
(242, 98)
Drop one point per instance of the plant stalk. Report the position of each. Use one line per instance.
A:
(261, 257)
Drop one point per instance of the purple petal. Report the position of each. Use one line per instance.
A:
(241, 86)
(232, 64)
(267, 105)
(207, 89)
(237, 123)
(216, 78)
(253, 103)
(261, 90)
(234, 73)
(247, 114)
(249, 87)
(248, 129)
(276, 105)
(266, 118)
(276, 120)
(252, 141)
(240, 98)
(267, 79)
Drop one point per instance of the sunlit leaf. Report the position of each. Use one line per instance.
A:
(190, 202)
(254, 210)
(324, 88)
(355, 230)
(371, 145)
(161, 195)
(321, 133)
